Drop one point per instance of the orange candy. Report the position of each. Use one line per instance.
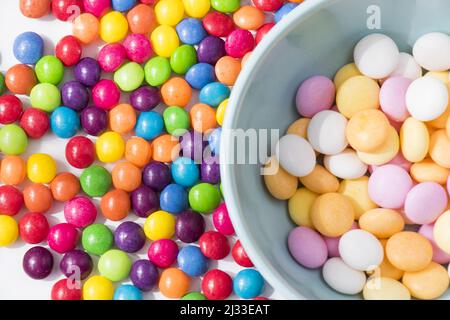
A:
(174, 283)
(35, 8)
(141, 19)
(13, 170)
(166, 148)
(85, 28)
(122, 118)
(203, 117)
(176, 92)
(37, 197)
(248, 18)
(227, 70)
(115, 205)
(138, 151)
(126, 176)
(65, 186)
(20, 79)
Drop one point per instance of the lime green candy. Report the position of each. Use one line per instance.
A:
(97, 239)
(194, 296)
(2, 83)
(45, 96)
(204, 197)
(13, 140)
(176, 120)
(157, 71)
(226, 6)
(114, 265)
(183, 58)
(129, 77)
(49, 69)
(95, 181)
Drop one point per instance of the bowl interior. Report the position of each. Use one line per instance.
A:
(317, 38)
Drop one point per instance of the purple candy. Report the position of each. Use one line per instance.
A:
(87, 71)
(144, 274)
(192, 145)
(75, 95)
(307, 247)
(76, 262)
(315, 94)
(94, 120)
(156, 175)
(211, 49)
(144, 201)
(189, 226)
(38, 262)
(145, 98)
(210, 170)
(129, 237)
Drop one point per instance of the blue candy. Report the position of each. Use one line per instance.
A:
(284, 10)
(214, 93)
(64, 122)
(200, 74)
(123, 5)
(248, 284)
(191, 31)
(28, 47)
(192, 261)
(149, 125)
(173, 199)
(214, 141)
(127, 292)
(185, 171)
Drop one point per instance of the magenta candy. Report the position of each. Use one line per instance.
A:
(221, 220)
(138, 47)
(62, 237)
(439, 256)
(97, 7)
(315, 94)
(392, 98)
(239, 42)
(106, 94)
(307, 247)
(163, 253)
(111, 57)
(80, 212)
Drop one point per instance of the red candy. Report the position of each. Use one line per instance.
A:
(239, 42)
(35, 122)
(240, 256)
(148, 1)
(106, 94)
(10, 109)
(68, 50)
(260, 298)
(66, 289)
(217, 285)
(268, 5)
(33, 227)
(11, 200)
(163, 253)
(67, 9)
(214, 245)
(80, 152)
(218, 24)
(261, 33)
(62, 237)
(221, 220)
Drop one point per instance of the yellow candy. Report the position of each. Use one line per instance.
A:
(429, 283)
(196, 8)
(41, 168)
(300, 207)
(299, 127)
(382, 223)
(110, 147)
(356, 94)
(159, 225)
(441, 231)
(9, 231)
(320, 180)
(344, 73)
(169, 12)
(385, 153)
(357, 192)
(386, 269)
(428, 170)
(414, 140)
(279, 183)
(220, 112)
(440, 148)
(164, 41)
(98, 288)
(381, 288)
(113, 27)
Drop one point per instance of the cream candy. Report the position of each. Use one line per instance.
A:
(343, 278)
(345, 165)
(432, 51)
(326, 132)
(295, 155)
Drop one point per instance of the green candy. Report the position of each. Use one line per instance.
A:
(97, 239)
(114, 265)
(129, 77)
(45, 96)
(95, 181)
(226, 6)
(49, 69)
(157, 71)
(13, 140)
(183, 58)
(176, 120)
(204, 197)
(2, 83)
(194, 296)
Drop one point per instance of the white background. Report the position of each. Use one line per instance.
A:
(14, 283)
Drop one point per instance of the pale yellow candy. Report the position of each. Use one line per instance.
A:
(344, 73)
(385, 153)
(414, 140)
(280, 184)
(386, 269)
(441, 231)
(299, 127)
(320, 180)
(356, 94)
(381, 288)
(428, 170)
(357, 192)
(300, 205)
(429, 283)
(440, 148)
(440, 75)
(382, 223)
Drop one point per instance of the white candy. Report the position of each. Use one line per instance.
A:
(342, 278)
(432, 51)
(376, 55)
(295, 155)
(361, 250)
(345, 165)
(407, 67)
(426, 98)
(326, 132)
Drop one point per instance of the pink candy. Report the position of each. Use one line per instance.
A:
(221, 220)
(80, 212)
(392, 98)
(163, 253)
(96, 7)
(239, 42)
(62, 237)
(398, 160)
(439, 256)
(138, 47)
(106, 94)
(111, 57)
(315, 94)
(307, 247)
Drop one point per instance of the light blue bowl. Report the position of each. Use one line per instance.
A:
(316, 38)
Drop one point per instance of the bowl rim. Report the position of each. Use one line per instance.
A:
(256, 254)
